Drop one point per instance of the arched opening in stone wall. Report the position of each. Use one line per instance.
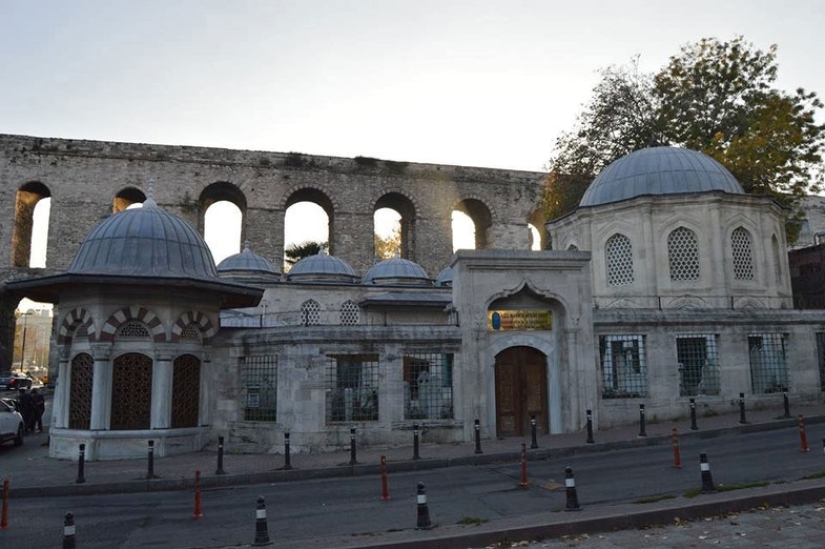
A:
(130, 197)
(29, 196)
(464, 231)
(538, 234)
(404, 222)
(32, 339)
(387, 241)
(224, 206)
(482, 220)
(308, 219)
(535, 237)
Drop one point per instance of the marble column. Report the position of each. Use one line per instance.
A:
(162, 371)
(101, 386)
(61, 401)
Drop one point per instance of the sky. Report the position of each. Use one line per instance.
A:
(466, 82)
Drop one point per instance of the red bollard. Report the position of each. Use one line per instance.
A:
(385, 489)
(803, 439)
(523, 483)
(4, 516)
(677, 457)
(197, 513)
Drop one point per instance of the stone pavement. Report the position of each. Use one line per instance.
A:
(32, 474)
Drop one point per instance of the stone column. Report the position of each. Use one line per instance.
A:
(62, 389)
(162, 370)
(101, 387)
(206, 404)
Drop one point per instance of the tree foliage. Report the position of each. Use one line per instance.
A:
(715, 97)
(296, 252)
(388, 247)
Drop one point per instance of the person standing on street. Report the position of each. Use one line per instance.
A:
(39, 408)
(25, 405)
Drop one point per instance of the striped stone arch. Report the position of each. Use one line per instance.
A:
(135, 312)
(76, 318)
(197, 318)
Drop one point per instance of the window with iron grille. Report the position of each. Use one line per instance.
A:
(742, 250)
(683, 254)
(80, 392)
(350, 313)
(191, 333)
(133, 329)
(352, 387)
(618, 253)
(428, 386)
(769, 368)
(186, 389)
(259, 375)
(131, 392)
(623, 366)
(820, 352)
(310, 313)
(698, 364)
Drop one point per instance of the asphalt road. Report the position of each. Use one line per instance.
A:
(353, 506)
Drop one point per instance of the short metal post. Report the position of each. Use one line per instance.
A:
(570, 487)
(803, 438)
(352, 460)
(642, 432)
(677, 456)
(534, 443)
(523, 483)
(219, 470)
(81, 461)
(786, 405)
(4, 514)
(68, 532)
(415, 442)
(478, 437)
(198, 512)
(423, 522)
(707, 478)
(590, 427)
(742, 419)
(693, 426)
(385, 485)
(287, 452)
(261, 528)
(150, 473)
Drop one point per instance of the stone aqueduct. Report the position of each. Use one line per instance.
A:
(89, 180)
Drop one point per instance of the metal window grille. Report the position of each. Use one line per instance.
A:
(769, 368)
(352, 388)
(186, 388)
(618, 253)
(134, 329)
(820, 348)
(698, 364)
(742, 249)
(259, 375)
(623, 366)
(191, 333)
(683, 254)
(80, 392)
(428, 386)
(82, 331)
(310, 313)
(131, 392)
(350, 313)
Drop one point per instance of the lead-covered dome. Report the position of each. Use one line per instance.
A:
(397, 271)
(322, 267)
(144, 242)
(658, 171)
(247, 265)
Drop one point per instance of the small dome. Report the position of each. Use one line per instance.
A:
(144, 242)
(445, 277)
(246, 264)
(397, 271)
(322, 268)
(659, 171)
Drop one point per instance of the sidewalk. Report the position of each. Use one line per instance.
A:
(33, 474)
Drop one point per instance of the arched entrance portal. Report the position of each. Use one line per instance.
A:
(521, 391)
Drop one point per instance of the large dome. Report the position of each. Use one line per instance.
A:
(144, 242)
(658, 171)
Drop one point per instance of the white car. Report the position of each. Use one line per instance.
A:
(11, 423)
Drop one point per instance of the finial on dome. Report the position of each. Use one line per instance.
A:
(150, 195)
(246, 246)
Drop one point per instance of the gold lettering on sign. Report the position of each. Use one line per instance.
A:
(521, 319)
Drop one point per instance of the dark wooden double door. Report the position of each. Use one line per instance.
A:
(521, 391)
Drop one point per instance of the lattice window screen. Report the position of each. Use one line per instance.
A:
(618, 253)
(350, 313)
(186, 388)
(742, 250)
(191, 333)
(80, 393)
(310, 313)
(133, 329)
(131, 392)
(683, 254)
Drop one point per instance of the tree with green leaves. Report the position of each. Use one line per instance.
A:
(296, 252)
(715, 97)
(389, 246)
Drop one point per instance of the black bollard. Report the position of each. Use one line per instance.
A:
(642, 432)
(415, 442)
(423, 522)
(478, 437)
(534, 444)
(707, 479)
(352, 460)
(742, 408)
(287, 451)
(219, 470)
(261, 529)
(786, 405)
(590, 427)
(693, 426)
(570, 487)
(81, 462)
(150, 472)
(68, 532)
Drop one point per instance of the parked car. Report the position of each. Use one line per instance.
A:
(11, 423)
(14, 381)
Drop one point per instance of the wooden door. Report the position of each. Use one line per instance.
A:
(521, 391)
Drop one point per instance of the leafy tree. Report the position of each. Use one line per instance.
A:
(386, 248)
(715, 97)
(296, 252)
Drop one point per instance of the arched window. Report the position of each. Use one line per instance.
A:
(683, 254)
(133, 329)
(186, 383)
(742, 252)
(191, 334)
(131, 392)
(618, 256)
(310, 313)
(80, 392)
(350, 313)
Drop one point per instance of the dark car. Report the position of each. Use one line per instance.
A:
(14, 381)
